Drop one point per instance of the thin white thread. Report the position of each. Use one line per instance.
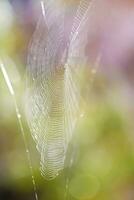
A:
(9, 85)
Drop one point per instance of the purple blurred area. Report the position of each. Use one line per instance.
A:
(112, 33)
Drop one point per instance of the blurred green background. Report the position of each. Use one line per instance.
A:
(103, 167)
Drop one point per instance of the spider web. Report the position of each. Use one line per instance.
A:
(53, 94)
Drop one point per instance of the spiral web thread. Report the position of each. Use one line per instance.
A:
(53, 96)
